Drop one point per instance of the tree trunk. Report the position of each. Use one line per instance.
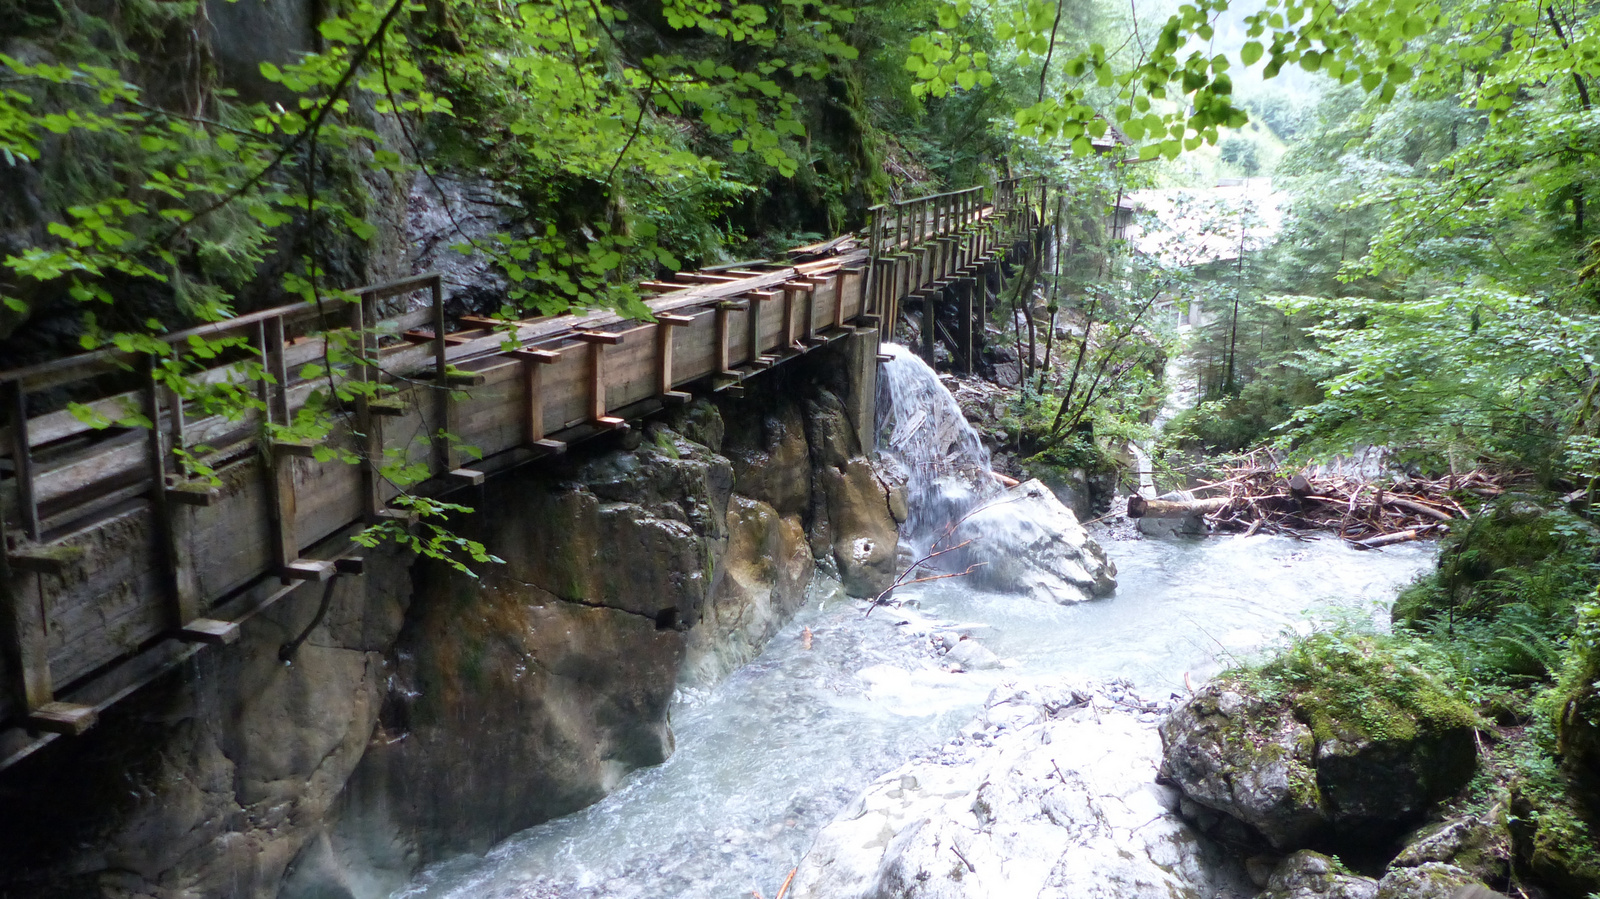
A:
(1139, 507)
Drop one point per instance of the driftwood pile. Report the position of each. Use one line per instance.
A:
(1255, 496)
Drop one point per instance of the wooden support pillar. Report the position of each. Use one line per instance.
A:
(598, 341)
(22, 627)
(533, 363)
(930, 319)
(968, 325)
(665, 325)
(808, 315)
(724, 363)
(838, 301)
(281, 507)
(788, 336)
(754, 356)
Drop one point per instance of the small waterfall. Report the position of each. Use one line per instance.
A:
(1020, 540)
(948, 473)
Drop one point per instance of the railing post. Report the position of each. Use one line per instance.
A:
(279, 464)
(444, 450)
(185, 605)
(16, 403)
(868, 300)
(367, 424)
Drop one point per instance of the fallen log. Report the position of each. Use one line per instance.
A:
(1139, 507)
(1383, 540)
(1418, 508)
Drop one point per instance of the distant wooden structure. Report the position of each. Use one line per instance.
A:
(118, 567)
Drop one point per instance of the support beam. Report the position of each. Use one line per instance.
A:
(533, 363)
(665, 325)
(210, 632)
(22, 630)
(598, 341)
(63, 718)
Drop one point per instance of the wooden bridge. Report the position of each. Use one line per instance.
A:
(119, 566)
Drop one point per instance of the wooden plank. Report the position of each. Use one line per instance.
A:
(65, 718)
(209, 631)
(22, 629)
(308, 570)
(54, 559)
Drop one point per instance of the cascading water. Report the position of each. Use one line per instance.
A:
(1019, 540)
(920, 426)
(770, 756)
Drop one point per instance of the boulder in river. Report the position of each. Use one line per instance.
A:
(1050, 793)
(1026, 542)
(1312, 875)
(1338, 742)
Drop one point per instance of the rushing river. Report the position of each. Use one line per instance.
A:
(774, 752)
(769, 756)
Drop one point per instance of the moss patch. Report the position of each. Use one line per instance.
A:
(1362, 688)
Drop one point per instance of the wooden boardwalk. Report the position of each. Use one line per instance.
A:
(118, 567)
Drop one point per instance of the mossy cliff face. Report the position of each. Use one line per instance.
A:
(432, 713)
(1337, 743)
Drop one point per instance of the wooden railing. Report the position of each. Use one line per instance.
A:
(122, 559)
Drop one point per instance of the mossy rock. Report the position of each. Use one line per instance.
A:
(1554, 838)
(1519, 547)
(1338, 742)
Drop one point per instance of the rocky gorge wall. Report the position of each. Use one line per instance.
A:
(430, 713)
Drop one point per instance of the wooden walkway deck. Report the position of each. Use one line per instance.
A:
(118, 566)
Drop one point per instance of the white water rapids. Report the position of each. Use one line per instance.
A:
(772, 754)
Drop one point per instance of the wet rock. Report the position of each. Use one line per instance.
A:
(1256, 763)
(864, 533)
(509, 706)
(1049, 794)
(771, 459)
(761, 582)
(1312, 875)
(1477, 844)
(1027, 542)
(1430, 880)
(972, 655)
(1336, 742)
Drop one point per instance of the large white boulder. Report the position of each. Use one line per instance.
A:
(1027, 542)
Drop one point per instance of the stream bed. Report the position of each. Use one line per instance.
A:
(774, 752)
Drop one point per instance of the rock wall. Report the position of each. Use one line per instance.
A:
(433, 713)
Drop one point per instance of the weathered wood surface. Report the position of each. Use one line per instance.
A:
(93, 491)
